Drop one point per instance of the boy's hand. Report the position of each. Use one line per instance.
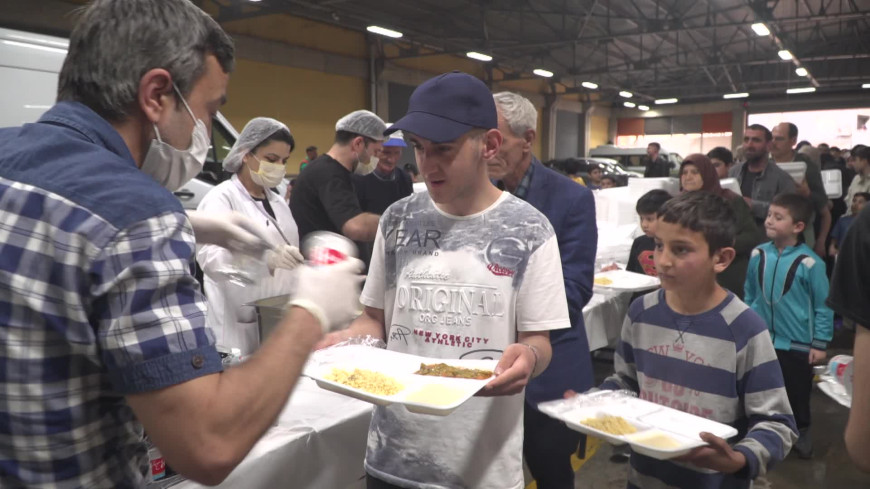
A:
(719, 456)
(817, 356)
(612, 266)
(512, 372)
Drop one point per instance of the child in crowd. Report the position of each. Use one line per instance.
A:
(787, 286)
(694, 346)
(594, 182)
(845, 222)
(609, 181)
(640, 258)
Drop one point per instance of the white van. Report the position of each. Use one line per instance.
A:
(631, 158)
(29, 68)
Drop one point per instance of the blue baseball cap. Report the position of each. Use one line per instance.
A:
(445, 107)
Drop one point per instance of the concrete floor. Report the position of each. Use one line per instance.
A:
(829, 468)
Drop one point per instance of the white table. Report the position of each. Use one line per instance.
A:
(318, 443)
(603, 317)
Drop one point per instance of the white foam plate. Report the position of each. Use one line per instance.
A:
(650, 420)
(446, 394)
(627, 281)
(797, 170)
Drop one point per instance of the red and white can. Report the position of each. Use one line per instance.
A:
(158, 464)
(326, 248)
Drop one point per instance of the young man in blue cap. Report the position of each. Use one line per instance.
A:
(463, 271)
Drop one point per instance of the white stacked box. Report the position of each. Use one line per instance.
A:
(640, 186)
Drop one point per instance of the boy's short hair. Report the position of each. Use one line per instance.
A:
(705, 213)
(722, 154)
(799, 207)
(609, 177)
(652, 201)
(863, 195)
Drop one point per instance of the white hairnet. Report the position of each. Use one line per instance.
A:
(255, 132)
(364, 123)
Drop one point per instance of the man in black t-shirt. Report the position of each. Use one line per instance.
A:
(382, 187)
(850, 289)
(323, 198)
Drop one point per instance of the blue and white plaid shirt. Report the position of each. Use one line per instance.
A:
(96, 302)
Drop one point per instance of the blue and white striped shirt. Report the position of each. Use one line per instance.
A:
(719, 365)
(96, 302)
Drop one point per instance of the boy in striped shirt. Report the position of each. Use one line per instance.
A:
(696, 347)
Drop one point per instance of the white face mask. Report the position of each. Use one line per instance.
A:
(269, 175)
(364, 168)
(172, 167)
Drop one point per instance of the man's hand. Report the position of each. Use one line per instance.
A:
(612, 266)
(817, 356)
(832, 250)
(719, 456)
(819, 249)
(803, 189)
(512, 372)
(232, 230)
(748, 201)
(330, 292)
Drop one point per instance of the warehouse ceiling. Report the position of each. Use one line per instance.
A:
(693, 50)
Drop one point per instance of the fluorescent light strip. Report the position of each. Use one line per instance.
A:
(630, 105)
(62, 44)
(542, 72)
(478, 56)
(801, 90)
(590, 85)
(735, 95)
(785, 55)
(761, 29)
(866, 85)
(384, 31)
(663, 101)
(35, 46)
(625, 94)
(801, 71)
(642, 107)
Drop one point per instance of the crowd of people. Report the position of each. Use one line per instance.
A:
(105, 332)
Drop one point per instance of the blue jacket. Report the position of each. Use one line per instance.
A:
(788, 291)
(570, 208)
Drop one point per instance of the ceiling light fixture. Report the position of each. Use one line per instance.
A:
(760, 29)
(590, 85)
(543, 72)
(866, 85)
(663, 101)
(642, 107)
(35, 46)
(630, 105)
(785, 55)
(383, 31)
(625, 94)
(478, 56)
(735, 95)
(801, 71)
(801, 90)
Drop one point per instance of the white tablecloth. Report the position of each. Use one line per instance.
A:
(318, 443)
(603, 317)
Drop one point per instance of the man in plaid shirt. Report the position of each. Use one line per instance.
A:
(102, 327)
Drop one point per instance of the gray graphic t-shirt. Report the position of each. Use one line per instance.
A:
(460, 287)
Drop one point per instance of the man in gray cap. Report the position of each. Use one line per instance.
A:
(323, 198)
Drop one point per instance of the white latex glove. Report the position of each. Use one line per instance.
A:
(283, 256)
(330, 292)
(233, 231)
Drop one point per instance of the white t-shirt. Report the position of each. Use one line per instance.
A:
(460, 287)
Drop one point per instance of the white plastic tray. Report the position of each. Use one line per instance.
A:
(797, 170)
(648, 418)
(448, 393)
(627, 281)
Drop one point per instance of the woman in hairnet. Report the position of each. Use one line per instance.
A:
(258, 160)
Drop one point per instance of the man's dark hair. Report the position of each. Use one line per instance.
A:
(282, 135)
(571, 166)
(799, 207)
(802, 144)
(792, 131)
(657, 145)
(723, 154)
(758, 127)
(311, 148)
(115, 42)
(832, 148)
(345, 137)
(611, 178)
(864, 195)
(705, 213)
(652, 201)
(411, 169)
(863, 152)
